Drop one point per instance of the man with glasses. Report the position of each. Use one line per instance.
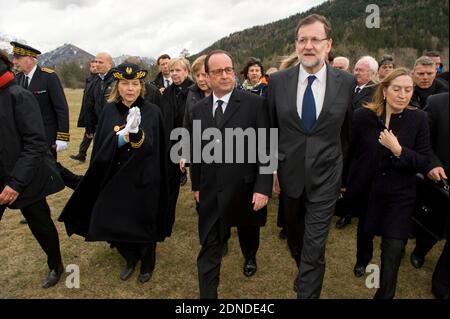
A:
(229, 194)
(310, 104)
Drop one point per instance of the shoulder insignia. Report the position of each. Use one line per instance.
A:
(47, 70)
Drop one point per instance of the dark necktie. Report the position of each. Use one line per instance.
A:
(167, 83)
(218, 114)
(358, 89)
(309, 106)
(25, 82)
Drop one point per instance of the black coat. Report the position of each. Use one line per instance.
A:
(386, 183)
(90, 81)
(438, 116)
(226, 190)
(26, 164)
(173, 106)
(46, 87)
(364, 96)
(98, 99)
(123, 196)
(420, 96)
(152, 94)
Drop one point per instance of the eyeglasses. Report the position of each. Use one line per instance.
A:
(314, 41)
(218, 72)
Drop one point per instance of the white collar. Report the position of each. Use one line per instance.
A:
(224, 98)
(321, 75)
(31, 73)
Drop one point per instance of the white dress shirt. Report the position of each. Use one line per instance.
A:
(30, 75)
(225, 99)
(318, 88)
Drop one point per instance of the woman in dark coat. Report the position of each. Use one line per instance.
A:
(122, 199)
(173, 106)
(390, 144)
(28, 171)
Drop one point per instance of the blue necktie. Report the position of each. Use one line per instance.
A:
(309, 106)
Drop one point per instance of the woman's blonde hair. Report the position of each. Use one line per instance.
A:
(198, 63)
(184, 63)
(377, 104)
(115, 97)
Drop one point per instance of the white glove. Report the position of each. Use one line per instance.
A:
(61, 145)
(133, 121)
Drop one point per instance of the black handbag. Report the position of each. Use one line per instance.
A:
(431, 213)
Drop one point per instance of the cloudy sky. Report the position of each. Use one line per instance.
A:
(137, 27)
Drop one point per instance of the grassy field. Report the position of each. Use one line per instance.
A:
(24, 264)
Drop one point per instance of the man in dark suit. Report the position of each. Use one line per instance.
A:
(438, 169)
(27, 170)
(426, 84)
(365, 70)
(48, 91)
(87, 138)
(229, 193)
(311, 106)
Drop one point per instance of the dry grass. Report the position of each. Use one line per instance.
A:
(175, 276)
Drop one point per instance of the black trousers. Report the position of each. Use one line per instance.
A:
(307, 227)
(440, 281)
(364, 243)
(249, 240)
(43, 229)
(174, 175)
(281, 219)
(208, 263)
(391, 256)
(84, 145)
(132, 253)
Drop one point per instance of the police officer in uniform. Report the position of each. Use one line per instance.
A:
(46, 87)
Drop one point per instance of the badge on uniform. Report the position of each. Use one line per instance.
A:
(39, 92)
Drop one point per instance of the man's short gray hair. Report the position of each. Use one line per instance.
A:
(424, 60)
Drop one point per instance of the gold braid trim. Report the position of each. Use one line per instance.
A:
(62, 136)
(138, 144)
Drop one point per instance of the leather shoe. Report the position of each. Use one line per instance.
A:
(127, 272)
(343, 221)
(143, 278)
(78, 157)
(53, 277)
(23, 221)
(416, 261)
(250, 267)
(359, 270)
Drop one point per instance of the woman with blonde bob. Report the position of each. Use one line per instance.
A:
(173, 106)
(389, 145)
(122, 199)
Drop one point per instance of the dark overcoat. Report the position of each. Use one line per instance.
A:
(26, 164)
(226, 189)
(123, 196)
(387, 184)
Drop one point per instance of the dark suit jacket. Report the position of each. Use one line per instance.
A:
(364, 96)
(437, 109)
(47, 89)
(311, 162)
(226, 189)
